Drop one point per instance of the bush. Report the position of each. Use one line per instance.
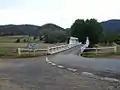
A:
(18, 40)
(56, 37)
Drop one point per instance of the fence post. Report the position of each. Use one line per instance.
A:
(19, 51)
(34, 52)
(48, 51)
(115, 49)
(96, 51)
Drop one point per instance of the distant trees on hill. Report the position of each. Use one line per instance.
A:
(49, 33)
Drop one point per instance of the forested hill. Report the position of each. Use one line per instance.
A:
(18, 30)
(111, 25)
(29, 29)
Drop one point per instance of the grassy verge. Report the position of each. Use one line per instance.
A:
(107, 54)
(92, 55)
(8, 47)
(9, 50)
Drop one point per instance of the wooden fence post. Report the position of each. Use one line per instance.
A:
(115, 49)
(34, 52)
(96, 51)
(19, 51)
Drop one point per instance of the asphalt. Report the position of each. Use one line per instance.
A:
(98, 66)
(37, 74)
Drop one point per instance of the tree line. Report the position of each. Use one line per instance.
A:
(92, 28)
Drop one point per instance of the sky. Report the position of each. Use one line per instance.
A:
(60, 12)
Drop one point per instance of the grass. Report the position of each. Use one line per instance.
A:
(8, 47)
(105, 53)
(91, 55)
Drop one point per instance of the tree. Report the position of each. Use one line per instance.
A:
(55, 37)
(24, 40)
(18, 40)
(35, 37)
(109, 37)
(89, 28)
(77, 29)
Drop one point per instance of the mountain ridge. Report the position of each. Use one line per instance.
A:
(27, 29)
(111, 25)
(30, 29)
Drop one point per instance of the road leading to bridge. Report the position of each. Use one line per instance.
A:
(103, 67)
(36, 74)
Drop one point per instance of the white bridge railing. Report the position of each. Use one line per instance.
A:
(56, 49)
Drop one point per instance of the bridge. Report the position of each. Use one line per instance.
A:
(95, 66)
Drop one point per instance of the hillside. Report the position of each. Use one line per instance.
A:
(33, 30)
(29, 29)
(50, 28)
(111, 25)
(18, 30)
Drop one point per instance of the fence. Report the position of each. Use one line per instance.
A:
(103, 49)
(56, 49)
(50, 50)
(27, 51)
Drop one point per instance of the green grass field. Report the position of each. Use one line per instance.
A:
(8, 47)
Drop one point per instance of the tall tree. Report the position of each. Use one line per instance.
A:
(89, 28)
(77, 29)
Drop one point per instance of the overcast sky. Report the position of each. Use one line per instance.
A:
(60, 12)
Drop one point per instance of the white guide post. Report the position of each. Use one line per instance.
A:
(19, 51)
(34, 52)
(115, 49)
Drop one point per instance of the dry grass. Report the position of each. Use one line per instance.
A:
(8, 47)
(106, 53)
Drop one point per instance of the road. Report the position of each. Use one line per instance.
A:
(103, 67)
(36, 74)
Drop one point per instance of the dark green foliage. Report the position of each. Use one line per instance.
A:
(109, 37)
(35, 37)
(49, 33)
(6, 30)
(89, 28)
(55, 37)
(24, 40)
(18, 40)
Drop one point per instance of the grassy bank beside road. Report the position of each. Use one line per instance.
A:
(8, 46)
(10, 49)
(107, 53)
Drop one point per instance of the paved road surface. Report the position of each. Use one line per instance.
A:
(36, 74)
(103, 67)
